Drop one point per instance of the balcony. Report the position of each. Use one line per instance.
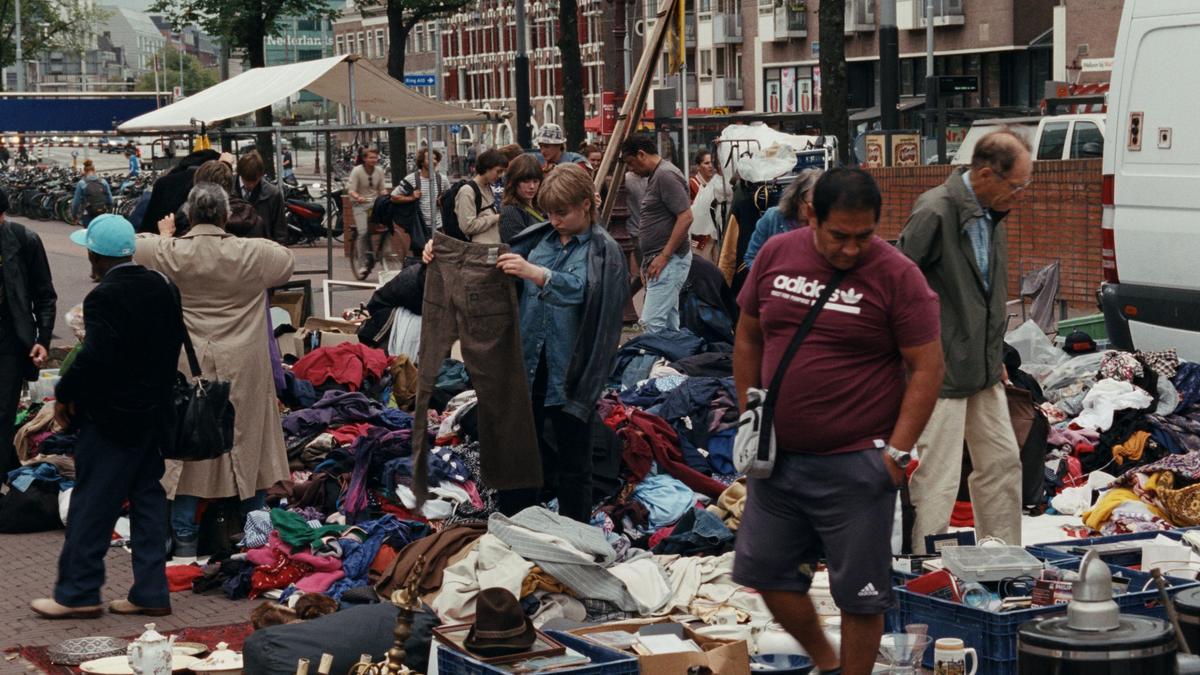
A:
(860, 16)
(727, 29)
(790, 22)
(945, 13)
(727, 92)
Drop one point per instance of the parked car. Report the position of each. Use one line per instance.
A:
(1151, 291)
(1073, 136)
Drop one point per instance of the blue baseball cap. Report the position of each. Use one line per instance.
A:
(109, 235)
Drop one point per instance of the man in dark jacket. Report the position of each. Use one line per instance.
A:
(405, 290)
(117, 393)
(27, 306)
(957, 237)
(266, 198)
(170, 191)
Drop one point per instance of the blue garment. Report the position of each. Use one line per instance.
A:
(665, 497)
(443, 465)
(770, 224)
(980, 233)
(568, 157)
(660, 310)
(357, 555)
(22, 478)
(639, 354)
(134, 165)
(551, 315)
(697, 532)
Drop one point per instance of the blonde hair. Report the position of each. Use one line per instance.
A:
(566, 187)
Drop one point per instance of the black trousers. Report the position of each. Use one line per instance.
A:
(13, 363)
(469, 300)
(106, 474)
(565, 443)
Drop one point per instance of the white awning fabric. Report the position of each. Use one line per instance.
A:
(376, 93)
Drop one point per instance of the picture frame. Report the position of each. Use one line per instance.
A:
(454, 636)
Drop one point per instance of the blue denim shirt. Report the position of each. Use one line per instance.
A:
(980, 234)
(551, 315)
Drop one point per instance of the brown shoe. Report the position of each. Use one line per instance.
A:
(50, 609)
(127, 607)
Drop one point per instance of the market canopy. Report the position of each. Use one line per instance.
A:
(375, 92)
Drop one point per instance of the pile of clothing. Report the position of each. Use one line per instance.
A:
(36, 495)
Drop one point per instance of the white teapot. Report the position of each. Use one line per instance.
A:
(151, 653)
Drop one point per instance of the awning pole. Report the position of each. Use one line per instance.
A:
(330, 210)
(353, 113)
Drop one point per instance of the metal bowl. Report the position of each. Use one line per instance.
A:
(77, 650)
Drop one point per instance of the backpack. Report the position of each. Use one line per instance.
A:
(407, 214)
(95, 198)
(244, 220)
(450, 226)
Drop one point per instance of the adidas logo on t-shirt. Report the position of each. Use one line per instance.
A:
(868, 591)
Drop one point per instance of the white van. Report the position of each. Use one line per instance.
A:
(1151, 189)
(1071, 136)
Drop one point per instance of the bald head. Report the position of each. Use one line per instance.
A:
(1001, 169)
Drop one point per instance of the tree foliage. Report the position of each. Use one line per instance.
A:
(47, 25)
(195, 76)
(245, 25)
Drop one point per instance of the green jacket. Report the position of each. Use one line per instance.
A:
(973, 319)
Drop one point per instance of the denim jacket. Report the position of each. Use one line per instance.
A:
(605, 294)
(771, 224)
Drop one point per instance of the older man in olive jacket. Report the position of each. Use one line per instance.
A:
(957, 237)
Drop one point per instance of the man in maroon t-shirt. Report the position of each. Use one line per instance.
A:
(853, 403)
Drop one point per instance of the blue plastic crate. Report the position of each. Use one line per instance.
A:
(1060, 550)
(605, 661)
(994, 634)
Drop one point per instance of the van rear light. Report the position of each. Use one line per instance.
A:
(1108, 251)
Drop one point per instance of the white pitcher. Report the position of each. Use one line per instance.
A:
(151, 653)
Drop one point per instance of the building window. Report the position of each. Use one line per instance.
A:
(721, 62)
(705, 64)
(379, 50)
(704, 6)
(341, 46)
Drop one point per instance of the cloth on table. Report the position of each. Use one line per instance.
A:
(1105, 398)
(443, 466)
(297, 393)
(1165, 362)
(258, 528)
(646, 582)
(335, 407)
(1179, 433)
(348, 433)
(1185, 466)
(404, 380)
(21, 478)
(321, 571)
(730, 506)
(636, 358)
(703, 586)
(575, 554)
(434, 550)
(707, 364)
(538, 580)
(1132, 448)
(1131, 517)
(59, 443)
(349, 364)
(371, 453)
(697, 532)
(1187, 383)
(443, 500)
(1121, 366)
(40, 423)
(358, 556)
(295, 531)
(1102, 511)
(490, 564)
(648, 439)
(666, 499)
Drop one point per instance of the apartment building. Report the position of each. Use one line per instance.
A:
(715, 38)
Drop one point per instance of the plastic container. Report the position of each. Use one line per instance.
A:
(1092, 324)
(1062, 550)
(605, 661)
(994, 634)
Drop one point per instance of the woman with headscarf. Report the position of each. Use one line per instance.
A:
(223, 281)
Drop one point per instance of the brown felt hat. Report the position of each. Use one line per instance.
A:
(501, 627)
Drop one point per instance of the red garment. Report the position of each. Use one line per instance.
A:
(347, 433)
(647, 439)
(279, 576)
(180, 577)
(962, 515)
(844, 387)
(347, 363)
(662, 533)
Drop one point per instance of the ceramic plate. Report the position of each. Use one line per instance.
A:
(189, 648)
(119, 665)
(792, 664)
(77, 650)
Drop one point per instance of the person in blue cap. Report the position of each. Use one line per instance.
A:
(117, 396)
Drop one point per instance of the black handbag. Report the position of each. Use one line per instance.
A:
(204, 415)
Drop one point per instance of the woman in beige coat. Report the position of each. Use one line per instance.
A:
(223, 281)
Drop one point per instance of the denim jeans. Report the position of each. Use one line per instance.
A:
(660, 311)
(183, 512)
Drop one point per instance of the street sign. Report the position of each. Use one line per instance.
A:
(455, 128)
(420, 80)
(948, 85)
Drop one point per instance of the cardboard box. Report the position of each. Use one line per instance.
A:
(329, 332)
(722, 657)
(293, 303)
(291, 344)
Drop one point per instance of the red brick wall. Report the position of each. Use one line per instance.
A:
(1058, 218)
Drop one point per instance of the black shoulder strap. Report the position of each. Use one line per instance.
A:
(478, 194)
(193, 362)
(801, 333)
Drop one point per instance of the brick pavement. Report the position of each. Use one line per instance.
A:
(28, 564)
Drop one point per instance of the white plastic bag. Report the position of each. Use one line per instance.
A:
(1033, 345)
(64, 504)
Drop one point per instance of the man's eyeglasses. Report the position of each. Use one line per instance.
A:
(1015, 188)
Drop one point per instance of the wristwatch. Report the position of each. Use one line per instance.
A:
(902, 458)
